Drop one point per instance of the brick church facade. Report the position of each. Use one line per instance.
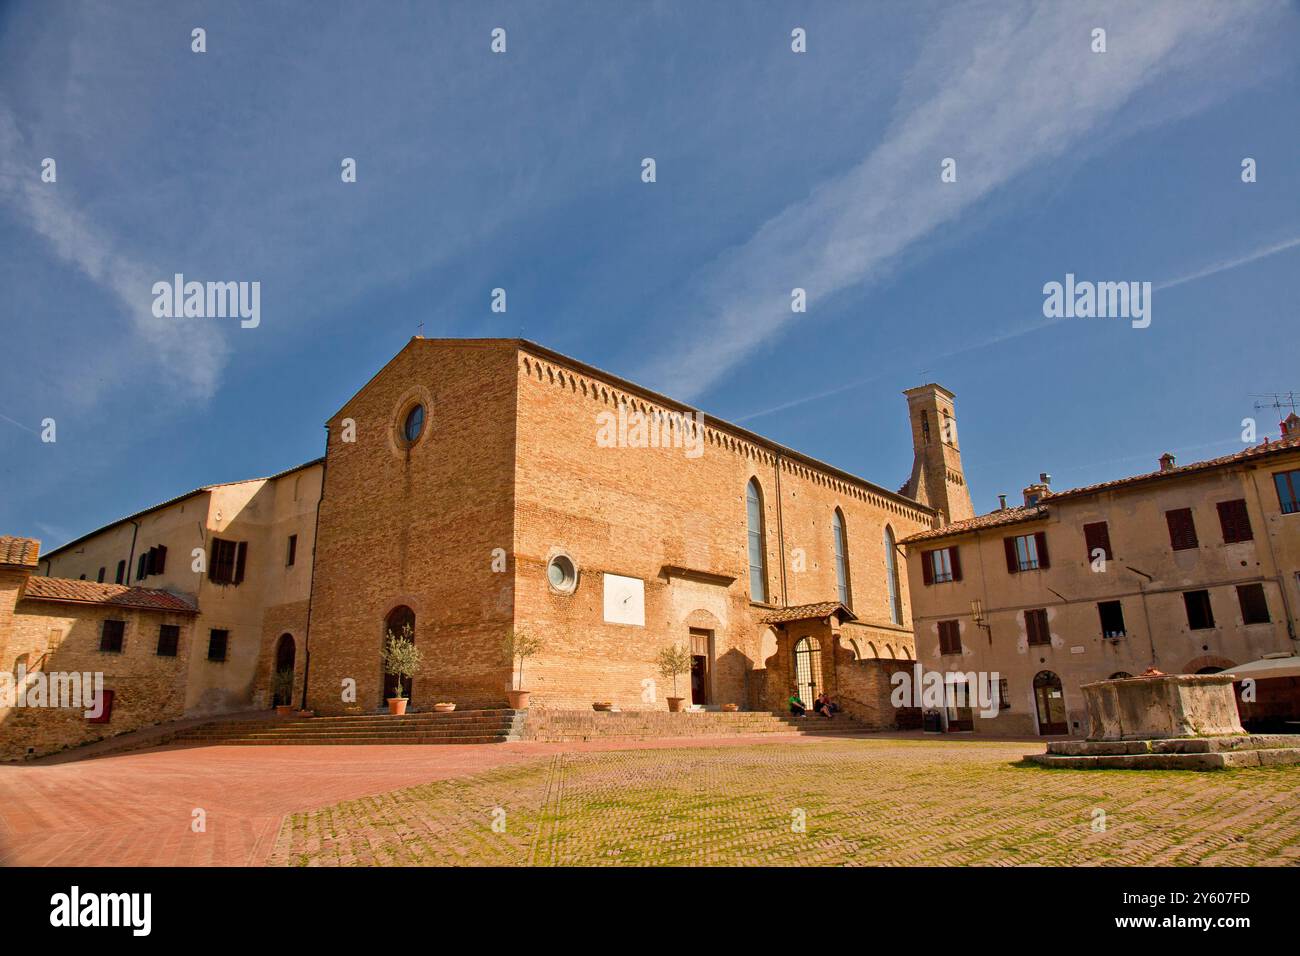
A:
(505, 511)
(475, 486)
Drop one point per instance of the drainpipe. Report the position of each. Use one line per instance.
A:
(130, 562)
(1146, 613)
(311, 586)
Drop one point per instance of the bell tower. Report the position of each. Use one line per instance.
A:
(937, 479)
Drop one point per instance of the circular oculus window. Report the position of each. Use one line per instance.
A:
(562, 574)
(414, 424)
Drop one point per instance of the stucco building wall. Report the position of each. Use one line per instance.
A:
(1145, 574)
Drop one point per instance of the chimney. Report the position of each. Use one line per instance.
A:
(1044, 478)
(1002, 502)
(1037, 492)
(1167, 461)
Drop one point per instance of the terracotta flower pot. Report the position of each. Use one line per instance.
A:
(444, 708)
(397, 706)
(675, 704)
(602, 706)
(731, 708)
(283, 710)
(518, 699)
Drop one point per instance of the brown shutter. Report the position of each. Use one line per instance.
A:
(218, 563)
(160, 559)
(1235, 521)
(927, 567)
(241, 554)
(1097, 535)
(1182, 529)
(956, 563)
(1031, 627)
(1040, 539)
(1012, 564)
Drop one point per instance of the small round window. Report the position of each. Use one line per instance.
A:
(561, 573)
(414, 424)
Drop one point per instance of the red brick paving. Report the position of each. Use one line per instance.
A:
(136, 809)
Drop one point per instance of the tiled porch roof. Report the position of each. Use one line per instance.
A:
(113, 595)
(806, 612)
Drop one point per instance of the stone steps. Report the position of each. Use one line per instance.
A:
(457, 727)
(1173, 753)
(555, 725)
(496, 725)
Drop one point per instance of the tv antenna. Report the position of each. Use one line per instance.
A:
(1278, 400)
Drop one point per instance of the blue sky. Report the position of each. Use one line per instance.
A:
(522, 170)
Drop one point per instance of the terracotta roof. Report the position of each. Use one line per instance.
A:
(1287, 444)
(23, 552)
(804, 612)
(115, 595)
(1267, 448)
(993, 519)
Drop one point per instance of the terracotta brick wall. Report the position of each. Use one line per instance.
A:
(631, 511)
(418, 527)
(509, 459)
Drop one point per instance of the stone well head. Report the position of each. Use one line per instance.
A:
(1162, 705)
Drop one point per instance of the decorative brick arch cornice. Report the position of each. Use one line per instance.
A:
(545, 372)
(703, 619)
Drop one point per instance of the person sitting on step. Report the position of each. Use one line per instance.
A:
(822, 705)
(797, 707)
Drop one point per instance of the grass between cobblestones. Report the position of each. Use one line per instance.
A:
(862, 802)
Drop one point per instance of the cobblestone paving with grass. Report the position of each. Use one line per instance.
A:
(861, 802)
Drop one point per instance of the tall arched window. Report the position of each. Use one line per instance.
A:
(891, 575)
(757, 543)
(841, 558)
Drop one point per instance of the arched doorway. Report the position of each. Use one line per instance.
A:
(397, 623)
(1049, 699)
(284, 659)
(808, 669)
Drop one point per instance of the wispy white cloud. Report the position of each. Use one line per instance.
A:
(1000, 89)
(1224, 265)
(1263, 252)
(186, 355)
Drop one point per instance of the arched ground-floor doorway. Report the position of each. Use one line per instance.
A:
(808, 669)
(399, 620)
(282, 688)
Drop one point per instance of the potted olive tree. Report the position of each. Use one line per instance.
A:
(402, 660)
(520, 645)
(283, 686)
(673, 660)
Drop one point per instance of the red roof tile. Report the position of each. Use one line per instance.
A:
(115, 595)
(993, 519)
(805, 612)
(23, 552)
(1289, 443)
